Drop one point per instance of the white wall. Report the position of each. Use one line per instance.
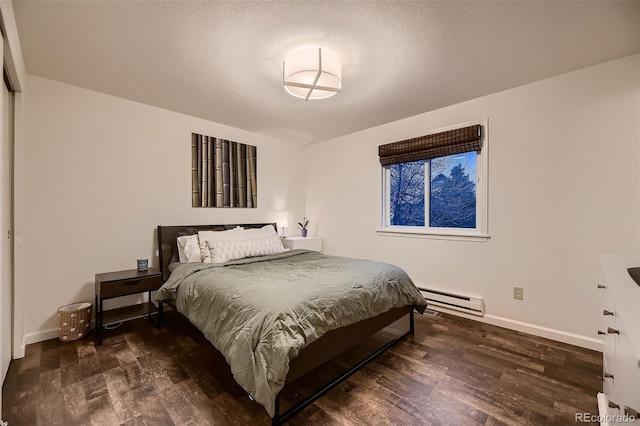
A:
(563, 186)
(103, 172)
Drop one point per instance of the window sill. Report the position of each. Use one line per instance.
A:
(436, 235)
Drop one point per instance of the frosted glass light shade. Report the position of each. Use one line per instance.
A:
(312, 73)
(282, 219)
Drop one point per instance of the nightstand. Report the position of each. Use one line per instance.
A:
(124, 283)
(309, 243)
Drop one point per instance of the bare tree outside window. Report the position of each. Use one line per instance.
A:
(407, 194)
(452, 202)
(452, 192)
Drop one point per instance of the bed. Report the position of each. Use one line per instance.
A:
(277, 316)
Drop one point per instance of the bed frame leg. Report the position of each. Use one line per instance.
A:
(411, 323)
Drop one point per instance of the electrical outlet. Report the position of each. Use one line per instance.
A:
(518, 293)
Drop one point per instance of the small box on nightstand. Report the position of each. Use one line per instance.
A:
(308, 243)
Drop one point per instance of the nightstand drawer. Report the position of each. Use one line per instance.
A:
(114, 284)
(122, 288)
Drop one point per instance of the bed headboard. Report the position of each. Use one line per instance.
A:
(167, 236)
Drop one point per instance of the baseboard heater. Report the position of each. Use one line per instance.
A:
(449, 301)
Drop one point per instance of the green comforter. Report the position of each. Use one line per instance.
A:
(259, 312)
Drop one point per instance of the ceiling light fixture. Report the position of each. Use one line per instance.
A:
(312, 73)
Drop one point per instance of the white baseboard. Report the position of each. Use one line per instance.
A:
(535, 330)
(39, 336)
(549, 333)
(19, 352)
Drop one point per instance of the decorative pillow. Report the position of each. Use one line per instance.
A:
(223, 251)
(210, 237)
(189, 249)
(205, 252)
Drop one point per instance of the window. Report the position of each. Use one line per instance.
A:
(443, 194)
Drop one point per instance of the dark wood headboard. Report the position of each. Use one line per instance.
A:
(167, 239)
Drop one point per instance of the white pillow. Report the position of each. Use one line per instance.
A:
(223, 251)
(189, 249)
(258, 233)
(236, 233)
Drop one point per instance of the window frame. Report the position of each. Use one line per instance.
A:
(479, 233)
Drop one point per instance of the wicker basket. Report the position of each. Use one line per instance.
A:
(74, 321)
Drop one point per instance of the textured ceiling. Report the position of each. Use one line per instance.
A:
(222, 61)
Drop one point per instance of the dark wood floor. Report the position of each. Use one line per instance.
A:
(451, 372)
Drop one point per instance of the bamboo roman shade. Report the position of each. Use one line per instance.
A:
(457, 141)
(223, 173)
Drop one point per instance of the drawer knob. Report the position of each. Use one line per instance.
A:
(605, 313)
(601, 286)
(601, 332)
(608, 376)
(612, 330)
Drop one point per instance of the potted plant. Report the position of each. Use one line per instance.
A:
(304, 225)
